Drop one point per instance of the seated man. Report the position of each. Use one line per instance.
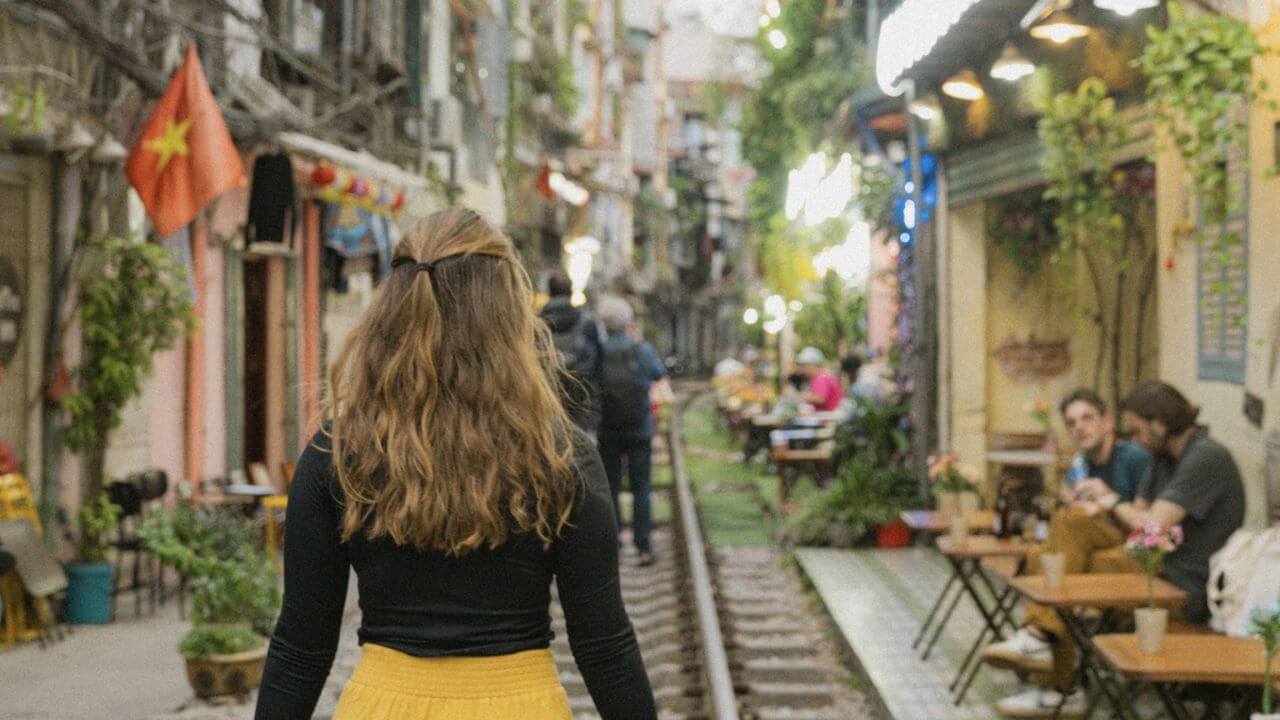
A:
(1078, 530)
(1194, 482)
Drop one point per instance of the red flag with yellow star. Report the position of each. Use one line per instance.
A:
(184, 157)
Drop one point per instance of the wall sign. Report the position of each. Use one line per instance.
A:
(10, 312)
(1222, 307)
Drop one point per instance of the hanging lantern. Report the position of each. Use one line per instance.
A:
(323, 175)
(399, 202)
(358, 187)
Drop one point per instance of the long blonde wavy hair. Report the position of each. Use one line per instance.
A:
(447, 430)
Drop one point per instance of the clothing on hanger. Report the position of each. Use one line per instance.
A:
(271, 199)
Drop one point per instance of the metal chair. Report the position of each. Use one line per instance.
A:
(131, 495)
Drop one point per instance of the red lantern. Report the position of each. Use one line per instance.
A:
(323, 174)
(357, 187)
(399, 201)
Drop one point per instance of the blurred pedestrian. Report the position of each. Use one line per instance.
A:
(577, 340)
(626, 429)
(449, 477)
(824, 391)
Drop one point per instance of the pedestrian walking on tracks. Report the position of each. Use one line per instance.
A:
(629, 370)
(449, 477)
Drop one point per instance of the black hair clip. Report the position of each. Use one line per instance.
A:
(402, 260)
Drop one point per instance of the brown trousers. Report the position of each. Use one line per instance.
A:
(1091, 545)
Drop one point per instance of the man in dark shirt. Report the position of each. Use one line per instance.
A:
(1194, 483)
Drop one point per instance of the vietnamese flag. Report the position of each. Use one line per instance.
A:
(184, 157)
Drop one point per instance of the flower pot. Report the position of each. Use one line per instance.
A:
(893, 535)
(969, 502)
(948, 504)
(1151, 624)
(89, 593)
(959, 529)
(236, 674)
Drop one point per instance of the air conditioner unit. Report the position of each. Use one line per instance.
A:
(446, 122)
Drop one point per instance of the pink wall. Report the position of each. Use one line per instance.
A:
(166, 391)
(882, 294)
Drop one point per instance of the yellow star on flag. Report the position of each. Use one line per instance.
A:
(172, 142)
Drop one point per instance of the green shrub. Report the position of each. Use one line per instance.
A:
(205, 640)
(860, 498)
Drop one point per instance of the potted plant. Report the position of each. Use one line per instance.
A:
(24, 120)
(133, 302)
(91, 578)
(1265, 623)
(860, 499)
(1041, 414)
(1149, 544)
(234, 596)
(953, 484)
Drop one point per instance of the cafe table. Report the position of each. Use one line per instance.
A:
(931, 522)
(966, 558)
(1233, 668)
(1110, 593)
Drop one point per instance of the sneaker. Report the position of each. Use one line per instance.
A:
(646, 559)
(1041, 703)
(1023, 651)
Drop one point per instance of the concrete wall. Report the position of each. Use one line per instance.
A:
(1222, 403)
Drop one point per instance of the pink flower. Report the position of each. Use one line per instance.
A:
(1150, 541)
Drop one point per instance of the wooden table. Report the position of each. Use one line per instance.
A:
(1196, 659)
(1110, 593)
(932, 522)
(966, 564)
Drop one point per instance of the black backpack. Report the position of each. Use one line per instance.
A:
(574, 349)
(624, 399)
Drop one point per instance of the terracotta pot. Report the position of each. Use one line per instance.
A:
(236, 674)
(894, 535)
(1151, 624)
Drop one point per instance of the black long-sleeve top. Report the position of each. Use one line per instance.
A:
(489, 602)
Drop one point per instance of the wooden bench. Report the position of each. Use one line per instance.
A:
(791, 462)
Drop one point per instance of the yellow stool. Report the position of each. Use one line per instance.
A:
(271, 504)
(16, 504)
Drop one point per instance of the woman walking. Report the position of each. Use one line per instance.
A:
(450, 479)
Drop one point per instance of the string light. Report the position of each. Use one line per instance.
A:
(964, 85)
(1012, 65)
(1125, 8)
(926, 109)
(1059, 28)
(777, 39)
(750, 316)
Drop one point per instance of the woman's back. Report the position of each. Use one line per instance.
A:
(451, 482)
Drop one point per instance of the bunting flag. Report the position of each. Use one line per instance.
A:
(184, 157)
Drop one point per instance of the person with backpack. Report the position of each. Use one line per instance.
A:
(628, 370)
(577, 340)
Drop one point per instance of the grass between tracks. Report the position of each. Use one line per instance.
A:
(738, 502)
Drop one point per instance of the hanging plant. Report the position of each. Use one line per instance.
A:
(1199, 77)
(1081, 132)
(1022, 227)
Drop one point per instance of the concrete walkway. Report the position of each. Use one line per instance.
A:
(878, 598)
(131, 670)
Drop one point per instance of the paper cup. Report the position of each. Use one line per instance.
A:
(1055, 568)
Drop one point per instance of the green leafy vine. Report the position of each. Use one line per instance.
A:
(1081, 132)
(1199, 74)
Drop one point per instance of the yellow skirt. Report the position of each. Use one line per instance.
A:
(388, 684)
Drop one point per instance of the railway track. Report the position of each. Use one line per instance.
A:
(726, 634)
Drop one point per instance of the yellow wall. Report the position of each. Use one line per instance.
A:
(1222, 403)
(984, 300)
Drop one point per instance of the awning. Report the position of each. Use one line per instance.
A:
(925, 40)
(357, 162)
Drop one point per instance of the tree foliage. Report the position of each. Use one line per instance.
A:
(835, 318)
(134, 302)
